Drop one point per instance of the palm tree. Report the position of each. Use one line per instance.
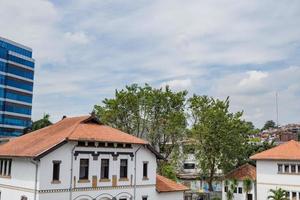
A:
(278, 194)
(247, 186)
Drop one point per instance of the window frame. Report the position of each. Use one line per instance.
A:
(104, 169)
(56, 163)
(123, 169)
(84, 166)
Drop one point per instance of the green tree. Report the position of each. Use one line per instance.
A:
(220, 135)
(231, 187)
(278, 194)
(41, 123)
(157, 115)
(269, 124)
(247, 186)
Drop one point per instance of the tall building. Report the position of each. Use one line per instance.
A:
(16, 86)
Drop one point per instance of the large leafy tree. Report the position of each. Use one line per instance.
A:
(269, 124)
(220, 135)
(41, 123)
(157, 115)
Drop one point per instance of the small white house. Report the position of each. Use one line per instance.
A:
(239, 174)
(279, 167)
(80, 159)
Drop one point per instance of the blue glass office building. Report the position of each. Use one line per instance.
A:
(16, 86)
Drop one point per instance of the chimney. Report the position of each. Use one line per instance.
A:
(64, 117)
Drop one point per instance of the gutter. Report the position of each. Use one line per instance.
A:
(134, 187)
(71, 172)
(36, 163)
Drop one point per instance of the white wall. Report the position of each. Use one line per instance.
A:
(22, 181)
(238, 196)
(268, 178)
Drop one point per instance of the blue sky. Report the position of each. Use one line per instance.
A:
(85, 49)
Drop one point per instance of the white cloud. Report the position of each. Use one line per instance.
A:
(179, 84)
(84, 49)
(256, 94)
(77, 37)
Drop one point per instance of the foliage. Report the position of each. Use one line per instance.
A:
(41, 123)
(269, 124)
(167, 170)
(247, 186)
(231, 185)
(157, 115)
(278, 194)
(220, 135)
(254, 148)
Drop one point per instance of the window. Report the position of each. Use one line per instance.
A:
(189, 166)
(84, 169)
(280, 168)
(288, 195)
(145, 170)
(235, 190)
(144, 197)
(226, 189)
(286, 168)
(293, 168)
(294, 195)
(123, 168)
(24, 198)
(104, 168)
(299, 171)
(240, 190)
(56, 170)
(5, 167)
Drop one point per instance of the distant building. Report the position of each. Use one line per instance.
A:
(79, 158)
(16, 86)
(279, 167)
(246, 171)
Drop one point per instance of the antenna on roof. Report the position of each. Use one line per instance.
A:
(277, 113)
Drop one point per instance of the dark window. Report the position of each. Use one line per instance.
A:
(280, 168)
(226, 189)
(104, 168)
(189, 166)
(288, 195)
(294, 195)
(5, 167)
(293, 168)
(299, 168)
(123, 168)
(145, 169)
(56, 170)
(84, 169)
(235, 190)
(240, 190)
(286, 168)
(144, 198)
(23, 198)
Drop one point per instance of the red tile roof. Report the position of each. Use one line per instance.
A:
(85, 128)
(242, 172)
(164, 184)
(287, 151)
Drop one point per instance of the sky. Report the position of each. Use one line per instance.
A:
(85, 49)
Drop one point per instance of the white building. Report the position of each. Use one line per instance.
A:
(279, 167)
(243, 172)
(80, 159)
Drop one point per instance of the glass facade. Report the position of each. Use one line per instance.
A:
(16, 86)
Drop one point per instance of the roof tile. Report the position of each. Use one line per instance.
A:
(286, 151)
(164, 184)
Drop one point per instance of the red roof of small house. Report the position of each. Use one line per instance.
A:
(242, 172)
(286, 151)
(164, 184)
(85, 128)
